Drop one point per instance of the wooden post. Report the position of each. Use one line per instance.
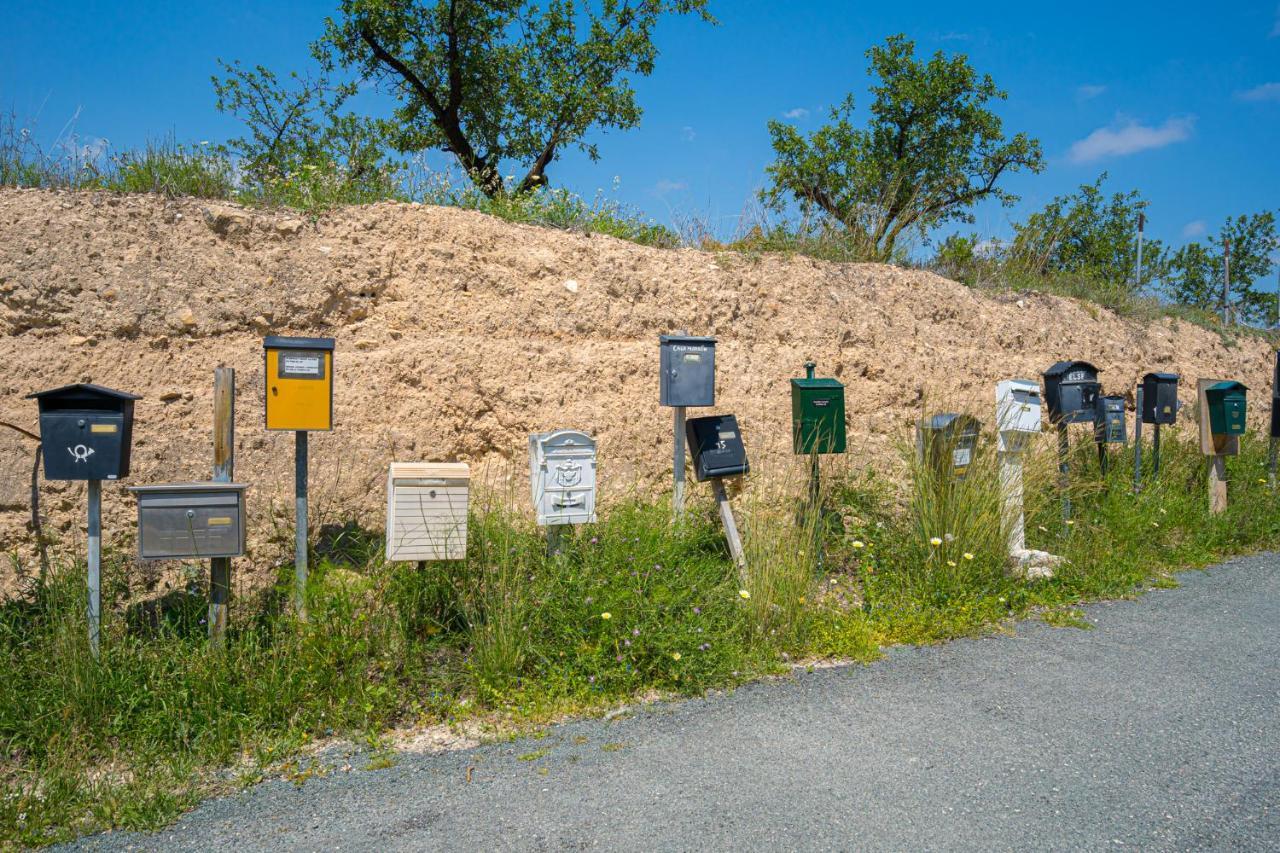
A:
(1137, 445)
(300, 541)
(1217, 483)
(677, 464)
(224, 467)
(95, 565)
(1011, 492)
(730, 527)
(1216, 447)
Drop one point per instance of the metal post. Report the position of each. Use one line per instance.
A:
(1103, 458)
(224, 467)
(95, 565)
(1064, 470)
(730, 527)
(815, 506)
(1275, 420)
(1226, 281)
(1137, 444)
(1155, 452)
(677, 464)
(300, 502)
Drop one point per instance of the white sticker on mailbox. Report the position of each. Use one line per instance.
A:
(960, 457)
(309, 365)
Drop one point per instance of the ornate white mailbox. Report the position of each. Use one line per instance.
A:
(427, 511)
(562, 477)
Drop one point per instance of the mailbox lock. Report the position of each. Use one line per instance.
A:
(432, 494)
(80, 422)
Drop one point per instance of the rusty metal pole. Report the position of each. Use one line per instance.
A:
(224, 467)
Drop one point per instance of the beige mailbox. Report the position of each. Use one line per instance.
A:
(427, 511)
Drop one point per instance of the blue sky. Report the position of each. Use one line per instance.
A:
(1179, 100)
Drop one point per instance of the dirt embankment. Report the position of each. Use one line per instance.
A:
(458, 335)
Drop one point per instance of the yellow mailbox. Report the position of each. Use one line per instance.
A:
(299, 374)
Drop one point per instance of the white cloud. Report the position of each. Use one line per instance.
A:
(667, 185)
(1130, 137)
(798, 112)
(954, 36)
(1193, 229)
(1275, 31)
(688, 134)
(1088, 93)
(1265, 92)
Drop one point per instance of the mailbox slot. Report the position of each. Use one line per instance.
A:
(299, 383)
(1109, 425)
(86, 432)
(715, 442)
(1227, 411)
(688, 366)
(817, 414)
(1160, 398)
(562, 477)
(947, 443)
(427, 511)
(1071, 391)
(179, 521)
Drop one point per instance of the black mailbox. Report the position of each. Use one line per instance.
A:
(1275, 400)
(1160, 398)
(85, 432)
(947, 443)
(1071, 392)
(688, 367)
(1108, 423)
(715, 443)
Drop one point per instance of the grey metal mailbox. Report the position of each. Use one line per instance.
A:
(688, 367)
(86, 432)
(1109, 426)
(562, 477)
(1071, 390)
(190, 520)
(947, 442)
(715, 442)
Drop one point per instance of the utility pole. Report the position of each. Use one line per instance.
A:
(1142, 220)
(1226, 281)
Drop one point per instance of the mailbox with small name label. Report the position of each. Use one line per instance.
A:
(562, 476)
(817, 414)
(179, 521)
(715, 442)
(1071, 390)
(947, 443)
(86, 432)
(1275, 399)
(427, 510)
(1017, 412)
(1226, 408)
(299, 383)
(1160, 398)
(1109, 421)
(688, 367)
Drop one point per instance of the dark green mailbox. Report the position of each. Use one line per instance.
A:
(817, 414)
(1226, 407)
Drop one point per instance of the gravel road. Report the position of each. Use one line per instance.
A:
(1160, 729)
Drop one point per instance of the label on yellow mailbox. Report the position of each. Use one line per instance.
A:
(299, 380)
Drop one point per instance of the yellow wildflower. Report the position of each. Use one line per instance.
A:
(606, 615)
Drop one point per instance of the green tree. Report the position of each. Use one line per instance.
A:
(931, 149)
(1196, 272)
(496, 81)
(1088, 234)
(297, 132)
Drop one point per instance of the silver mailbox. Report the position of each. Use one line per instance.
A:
(562, 477)
(1018, 411)
(179, 521)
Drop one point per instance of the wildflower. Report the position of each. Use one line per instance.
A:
(968, 556)
(859, 544)
(802, 599)
(743, 593)
(618, 658)
(675, 656)
(606, 615)
(1042, 528)
(624, 642)
(635, 632)
(951, 563)
(595, 540)
(949, 537)
(1001, 599)
(704, 647)
(1163, 511)
(1155, 524)
(1262, 480)
(591, 679)
(697, 611)
(1070, 521)
(935, 541)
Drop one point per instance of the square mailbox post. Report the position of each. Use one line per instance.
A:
(562, 481)
(715, 442)
(687, 377)
(1157, 404)
(1017, 419)
(1071, 390)
(299, 398)
(86, 433)
(1222, 406)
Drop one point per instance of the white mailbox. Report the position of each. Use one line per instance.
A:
(427, 511)
(562, 476)
(1017, 412)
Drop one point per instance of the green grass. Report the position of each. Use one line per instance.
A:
(514, 637)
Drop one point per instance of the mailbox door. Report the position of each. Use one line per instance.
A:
(1233, 410)
(818, 422)
(429, 520)
(717, 448)
(84, 445)
(1166, 403)
(190, 526)
(568, 488)
(299, 389)
(688, 374)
